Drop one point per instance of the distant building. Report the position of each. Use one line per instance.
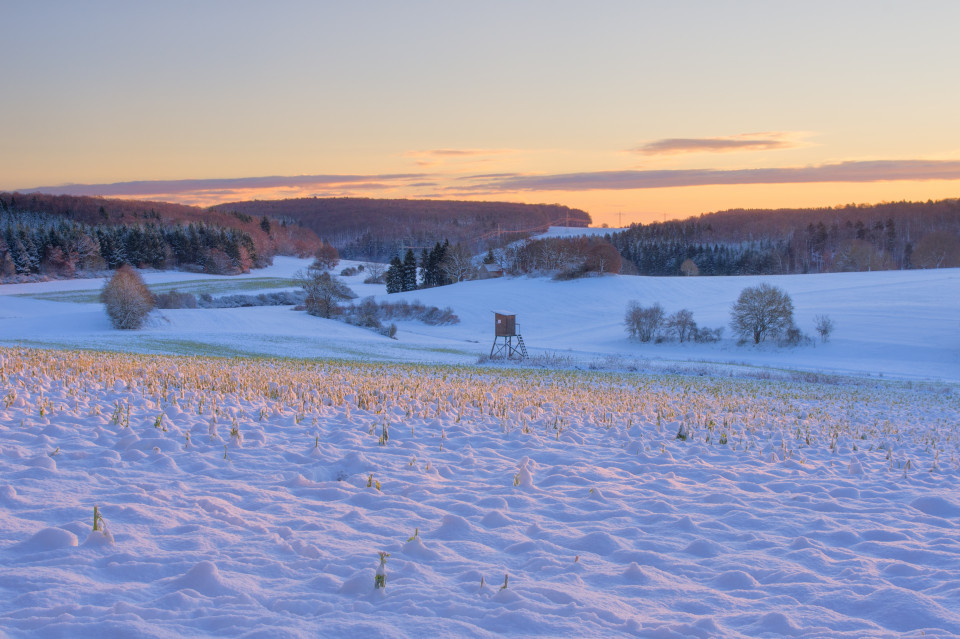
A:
(488, 271)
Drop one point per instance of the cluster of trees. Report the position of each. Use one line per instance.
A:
(652, 324)
(565, 257)
(760, 313)
(443, 264)
(38, 243)
(660, 258)
(377, 229)
(899, 235)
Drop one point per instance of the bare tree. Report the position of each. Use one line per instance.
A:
(824, 326)
(457, 263)
(682, 325)
(644, 323)
(375, 272)
(760, 312)
(324, 292)
(127, 299)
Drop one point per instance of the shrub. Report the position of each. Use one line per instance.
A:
(175, 299)
(705, 335)
(793, 336)
(127, 299)
(644, 323)
(350, 271)
(366, 314)
(278, 298)
(368, 311)
(761, 312)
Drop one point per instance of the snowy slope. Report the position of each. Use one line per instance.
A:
(895, 323)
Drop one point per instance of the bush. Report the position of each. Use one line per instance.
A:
(127, 299)
(643, 323)
(350, 271)
(175, 299)
(416, 310)
(369, 314)
(278, 298)
(389, 331)
(705, 335)
(793, 336)
(761, 312)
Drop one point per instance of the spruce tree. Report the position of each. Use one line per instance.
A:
(394, 275)
(409, 271)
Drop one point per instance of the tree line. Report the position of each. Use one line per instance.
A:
(900, 235)
(377, 229)
(32, 243)
(441, 265)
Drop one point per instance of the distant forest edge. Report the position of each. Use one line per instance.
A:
(893, 235)
(62, 235)
(373, 229)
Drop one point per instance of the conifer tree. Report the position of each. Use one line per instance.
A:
(409, 271)
(394, 275)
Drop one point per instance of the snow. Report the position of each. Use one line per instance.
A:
(900, 324)
(251, 496)
(577, 231)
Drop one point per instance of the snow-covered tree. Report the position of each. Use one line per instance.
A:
(127, 299)
(760, 312)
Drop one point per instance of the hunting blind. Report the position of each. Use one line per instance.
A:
(507, 341)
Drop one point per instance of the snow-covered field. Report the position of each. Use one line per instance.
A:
(902, 324)
(251, 496)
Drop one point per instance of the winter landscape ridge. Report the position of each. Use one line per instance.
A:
(608, 488)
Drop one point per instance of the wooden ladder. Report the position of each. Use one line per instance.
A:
(521, 346)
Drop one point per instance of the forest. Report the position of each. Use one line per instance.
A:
(61, 235)
(897, 235)
(375, 229)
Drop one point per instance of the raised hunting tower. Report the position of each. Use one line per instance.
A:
(507, 341)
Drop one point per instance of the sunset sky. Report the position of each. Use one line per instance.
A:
(632, 110)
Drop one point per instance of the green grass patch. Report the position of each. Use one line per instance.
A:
(215, 287)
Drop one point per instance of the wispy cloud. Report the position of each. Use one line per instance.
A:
(853, 171)
(213, 185)
(206, 192)
(744, 142)
(434, 157)
(458, 152)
